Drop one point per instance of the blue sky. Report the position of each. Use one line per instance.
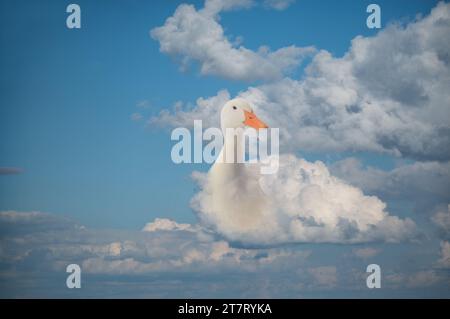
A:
(71, 132)
(67, 97)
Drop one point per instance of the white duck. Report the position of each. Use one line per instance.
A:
(231, 196)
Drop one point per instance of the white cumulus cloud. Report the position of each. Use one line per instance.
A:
(444, 260)
(303, 202)
(388, 93)
(192, 35)
(165, 224)
(442, 219)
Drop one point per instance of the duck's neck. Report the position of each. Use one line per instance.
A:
(233, 151)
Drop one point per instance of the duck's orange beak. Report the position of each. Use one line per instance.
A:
(253, 121)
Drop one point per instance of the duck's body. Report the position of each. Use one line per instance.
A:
(236, 198)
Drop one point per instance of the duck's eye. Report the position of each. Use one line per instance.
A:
(234, 108)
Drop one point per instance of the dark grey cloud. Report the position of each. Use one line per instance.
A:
(10, 170)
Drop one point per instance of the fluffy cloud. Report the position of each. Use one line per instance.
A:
(166, 262)
(196, 35)
(165, 224)
(183, 115)
(162, 246)
(171, 260)
(427, 182)
(216, 6)
(444, 261)
(388, 93)
(442, 220)
(303, 202)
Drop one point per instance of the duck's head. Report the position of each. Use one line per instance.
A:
(237, 113)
